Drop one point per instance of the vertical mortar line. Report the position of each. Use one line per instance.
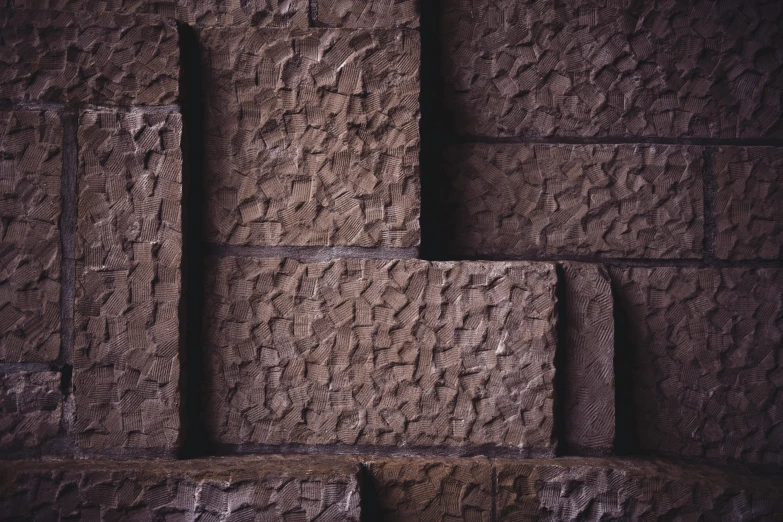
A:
(710, 186)
(493, 514)
(312, 12)
(560, 384)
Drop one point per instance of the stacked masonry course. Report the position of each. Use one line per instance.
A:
(593, 329)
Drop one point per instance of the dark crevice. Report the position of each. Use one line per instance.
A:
(68, 196)
(626, 438)
(560, 384)
(66, 379)
(369, 502)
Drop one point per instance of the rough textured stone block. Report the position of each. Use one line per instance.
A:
(289, 489)
(588, 376)
(612, 489)
(30, 409)
(588, 68)
(360, 14)
(381, 353)
(312, 138)
(128, 247)
(705, 348)
(55, 56)
(30, 174)
(416, 489)
(749, 203)
(609, 200)
(162, 7)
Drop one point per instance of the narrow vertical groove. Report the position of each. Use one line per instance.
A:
(626, 439)
(710, 188)
(560, 384)
(68, 196)
(369, 504)
(493, 514)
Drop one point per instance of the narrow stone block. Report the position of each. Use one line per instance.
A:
(128, 247)
(705, 350)
(618, 201)
(53, 56)
(30, 409)
(589, 68)
(312, 138)
(370, 352)
(368, 14)
(270, 13)
(749, 203)
(30, 175)
(588, 376)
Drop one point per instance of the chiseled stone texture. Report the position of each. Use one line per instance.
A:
(414, 489)
(30, 409)
(707, 361)
(30, 174)
(312, 138)
(749, 203)
(128, 247)
(588, 375)
(162, 7)
(53, 56)
(370, 352)
(290, 489)
(571, 489)
(363, 14)
(589, 68)
(617, 201)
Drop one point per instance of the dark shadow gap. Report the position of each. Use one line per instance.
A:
(560, 384)
(626, 438)
(368, 497)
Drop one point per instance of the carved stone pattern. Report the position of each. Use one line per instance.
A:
(381, 352)
(588, 68)
(613, 201)
(312, 138)
(30, 173)
(418, 490)
(162, 7)
(364, 14)
(129, 244)
(54, 56)
(588, 375)
(707, 360)
(30, 408)
(749, 203)
(288, 491)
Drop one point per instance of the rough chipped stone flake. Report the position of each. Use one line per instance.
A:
(30, 409)
(312, 138)
(129, 244)
(370, 352)
(30, 175)
(366, 14)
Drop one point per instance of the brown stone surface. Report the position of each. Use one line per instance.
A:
(707, 362)
(612, 489)
(162, 7)
(271, 13)
(128, 247)
(749, 203)
(52, 56)
(608, 200)
(312, 138)
(30, 173)
(30, 409)
(588, 376)
(361, 14)
(416, 489)
(588, 68)
(269, 488)
(381, 353)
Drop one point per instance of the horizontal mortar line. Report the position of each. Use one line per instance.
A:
(616, 140)
(616, 261)
(8, 367)
(311, 253)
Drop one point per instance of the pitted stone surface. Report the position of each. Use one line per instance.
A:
(128, 247)
(418, 490)
(53, 56)
(588, 68)
(271, 13)
(610, 200)
(269, 488)
(568, 489)
(364, 14)
(312, 138)
(30, 409)
(30, 174)
(162, 7)
(588, 376)
(749, 203)
(707, 360)
(380, 352)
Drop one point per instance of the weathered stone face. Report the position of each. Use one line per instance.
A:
(30, 408)
(365, 14)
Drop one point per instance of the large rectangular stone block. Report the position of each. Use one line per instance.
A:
(312, 138)
(706, 353)
(748, 205)
(589, 68)
(30, 410)
(579, 200)
(370, 352)
(30, 175)
(365, 14)
(128, 247)
(289, 489)
(53, 56)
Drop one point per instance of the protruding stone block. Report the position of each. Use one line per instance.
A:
(368, 14)
(30, 410)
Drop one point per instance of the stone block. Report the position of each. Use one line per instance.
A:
(30, 409)
(368, 14)
(269, 13)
